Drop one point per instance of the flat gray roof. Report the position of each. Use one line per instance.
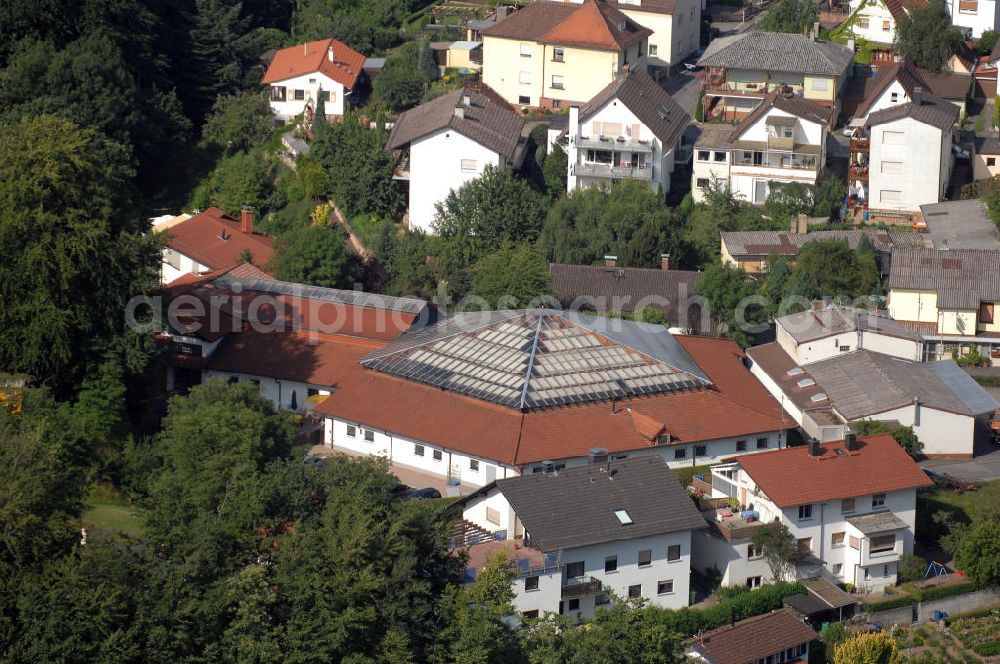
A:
(960, 225)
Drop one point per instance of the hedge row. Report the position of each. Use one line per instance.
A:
(988, 649)
(747, 604)
(925, 595)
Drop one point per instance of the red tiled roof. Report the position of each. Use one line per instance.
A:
(898, 7)
(738, 406)
(792, 476)
(596, 25)
(754, 638)
(201, 238)
(316, 359)
(312, 57)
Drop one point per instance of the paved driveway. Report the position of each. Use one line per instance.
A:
(984, 466)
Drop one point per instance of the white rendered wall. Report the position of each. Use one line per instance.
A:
(436, 169)
(942, 433)
(919, 176)
(731, 558)
(277, 391)
(310, 84)
(186, 265)
(987, 17)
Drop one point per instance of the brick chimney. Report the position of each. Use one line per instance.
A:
(664, 261)
(246, 219)
(610, 261)
(918, 95)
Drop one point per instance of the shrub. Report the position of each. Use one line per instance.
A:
(912, 568)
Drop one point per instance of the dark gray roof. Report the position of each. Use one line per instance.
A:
(987, 144)
(879, 522)
(962, 278)
(931, 110)
(961, 224)
(539, 357)
(781, 243)
(486, 119)
(777, 51)
(620, 289)
(788, 103)
(408, 305)
(576, 506)
(650, 103)
(815, 324)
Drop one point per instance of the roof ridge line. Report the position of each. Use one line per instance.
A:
(531, 362)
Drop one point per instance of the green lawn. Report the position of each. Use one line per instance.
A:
(108, 509)
(961, 507)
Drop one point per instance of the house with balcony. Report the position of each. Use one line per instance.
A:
(299, 74)
(783, 140)
(741, 70)
(850, 505)
(444, 143)
(488, 395)
(552, 54)
(951, 297)
(209, 240)
(902, 157)
(576, 535)
(631, 130)
(777, 637)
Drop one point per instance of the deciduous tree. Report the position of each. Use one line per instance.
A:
(512, 277)
(926, 36)
(873, 648)
(318, 256)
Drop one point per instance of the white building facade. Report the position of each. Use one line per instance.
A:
(977, 16)
(297, 75)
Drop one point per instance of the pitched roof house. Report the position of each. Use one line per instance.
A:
(575, 534)
(876, 21)
(448, 141)
(210, 240)
(779, 636)
(551, 54)
(499, 393)
(298, 74)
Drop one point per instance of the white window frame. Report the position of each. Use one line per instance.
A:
(524, 78)
(468, 165)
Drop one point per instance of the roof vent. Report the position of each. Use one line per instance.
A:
(459, 112)
(623, 25)
(662, 112)
(839, 451)
(466, 100)
(549, 466)
(598, 455)
(814, 448)
(223, 235)
(851, 441)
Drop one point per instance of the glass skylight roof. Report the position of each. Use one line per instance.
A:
(537, 358)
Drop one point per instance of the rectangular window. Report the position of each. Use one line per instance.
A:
(837, 539)
(468, 165)
(652, 50)
(863, 22)
(299, 95)
(752, 552)
(805, 544)
(557, 82)
(838, 569)
(968, 6)
(819, 84)
(894, 97)
(474, 465)
(701, 183)
(889, 196)
(680, 453)
(986, 312)
(601, 599)
(878, 500)
(991, 161)
(418, 450)
(741, 446)
(611, 564)
(882, 544)
(762, 443)
(704, 155)
(574, 570)
(892, 167)
(556, 103)
(529, 615)
(493, 515)
(645, 558)
(719, 156)
(312, 392)
(674, 552)
(369, 436)
(846, 505)
(436, 454)
(530, 583)
(558, 54)
(573, 605)
(700, 450)
(526, 50)
(521, 99)
(753, 582)
(635, 591)
(885, 26)
(524, 77)
(665, 587)
(352, 431)
(893, 137)
(805, 512)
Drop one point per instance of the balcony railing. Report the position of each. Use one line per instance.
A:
(581, 587)
(731, 89)
(615, 144)
(792, 160)
(609, 171)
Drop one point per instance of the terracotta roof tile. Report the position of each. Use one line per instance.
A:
(898, 7)
(201, 238)
(597, 25)
(313, 57)
(792, 476)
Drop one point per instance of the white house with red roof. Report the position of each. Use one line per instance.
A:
(850, 505)
(487, 395)
(298, 73)
(210, 240)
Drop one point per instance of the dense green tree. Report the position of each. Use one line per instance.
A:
(72, 263)
(828, 196)
(400, 85)
(871, 648)
(627, 220)
(220, 48)
(778, 273)
(483, 214)
(405, 259)
(987, 41)
(732, 297)
(359, 169)
(828, 268)
(785, 201)
(554, 171)
(721, 211)
(241, 120)
(795, 16)
(318, 256)
(319, 123)
(978, 552)
(904, 435)
(777, 547)
(242, 178)
(926, 36)
(101, 402)
(511, 277)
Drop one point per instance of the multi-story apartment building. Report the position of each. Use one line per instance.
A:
(631, 130)
(975, 16)
(850, 505)
(573, 535)
(783, 140)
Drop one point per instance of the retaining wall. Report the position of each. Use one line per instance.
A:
(954, 605)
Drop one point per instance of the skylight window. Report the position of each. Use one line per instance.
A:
(795, 371)
(623, 517)
(806, 382)
(821, 396)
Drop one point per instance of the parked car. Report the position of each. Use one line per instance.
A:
(422, 494)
